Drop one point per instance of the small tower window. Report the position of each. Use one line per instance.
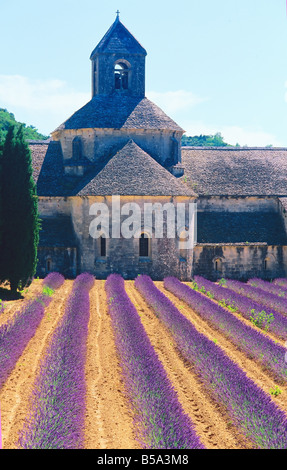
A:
(143, 245)
(121, 72)
(266, 263)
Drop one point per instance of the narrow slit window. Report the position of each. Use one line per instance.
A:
(265, 264)
(49, 265)
(143, 245)
(103, 246)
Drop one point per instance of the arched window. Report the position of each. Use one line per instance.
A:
(121, 73)
(144, 245)
(217, 264)
(77, 148)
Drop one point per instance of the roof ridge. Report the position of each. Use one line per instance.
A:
(191, 147)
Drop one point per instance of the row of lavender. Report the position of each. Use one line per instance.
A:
(57, 404)
(278, 286)
(262, 292)
(57, 419)
(57, 407)
(251, 341)
(160, 422)
(249, 407)
(254, 310)
(16, 333)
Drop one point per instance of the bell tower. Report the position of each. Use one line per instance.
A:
(118, 63)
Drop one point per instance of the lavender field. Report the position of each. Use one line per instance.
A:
(144, 364)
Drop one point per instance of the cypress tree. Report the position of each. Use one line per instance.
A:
(20, 237)
(1, 214)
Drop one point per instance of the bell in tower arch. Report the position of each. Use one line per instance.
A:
(118, 63)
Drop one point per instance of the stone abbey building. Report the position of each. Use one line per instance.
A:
(121, 144)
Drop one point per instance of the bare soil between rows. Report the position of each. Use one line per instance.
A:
(109, 418)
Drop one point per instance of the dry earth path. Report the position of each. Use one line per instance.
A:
(109, 421)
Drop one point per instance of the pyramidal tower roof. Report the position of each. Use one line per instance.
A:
(118, 39)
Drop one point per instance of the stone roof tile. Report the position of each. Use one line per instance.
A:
(240, 227)
(57, 232)
(133, 172)
(38, 152)
(236, 171)
(118, 111)
(50, 177)
(118, 39)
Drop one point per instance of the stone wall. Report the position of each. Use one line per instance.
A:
(103, 80)
(245, 259)
(60, 259)
(123, 253)
(54, 206)
(237, 203)
(100, 144)
(240, 261)
(282, 205)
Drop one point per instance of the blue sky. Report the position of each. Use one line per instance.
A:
(212, 65)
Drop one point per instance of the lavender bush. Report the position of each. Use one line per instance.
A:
(256, 345)
(58, 400)
(249, 407)
(160, 420)
(281, 281)
(16, 333)
(53, 280)
(268, 287)
(244, 305)
(259, 295)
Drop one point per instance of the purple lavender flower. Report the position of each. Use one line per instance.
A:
(256, 345)
(259, 295)
(249, 407)
(18, 330)
(58, 401)
(245, 305)
(53, 280)
(281, 281)
(160, 421)
(268, 287)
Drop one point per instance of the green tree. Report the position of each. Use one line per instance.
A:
(20, 235)
(7, 119)
(204, 140)
(1, 214)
